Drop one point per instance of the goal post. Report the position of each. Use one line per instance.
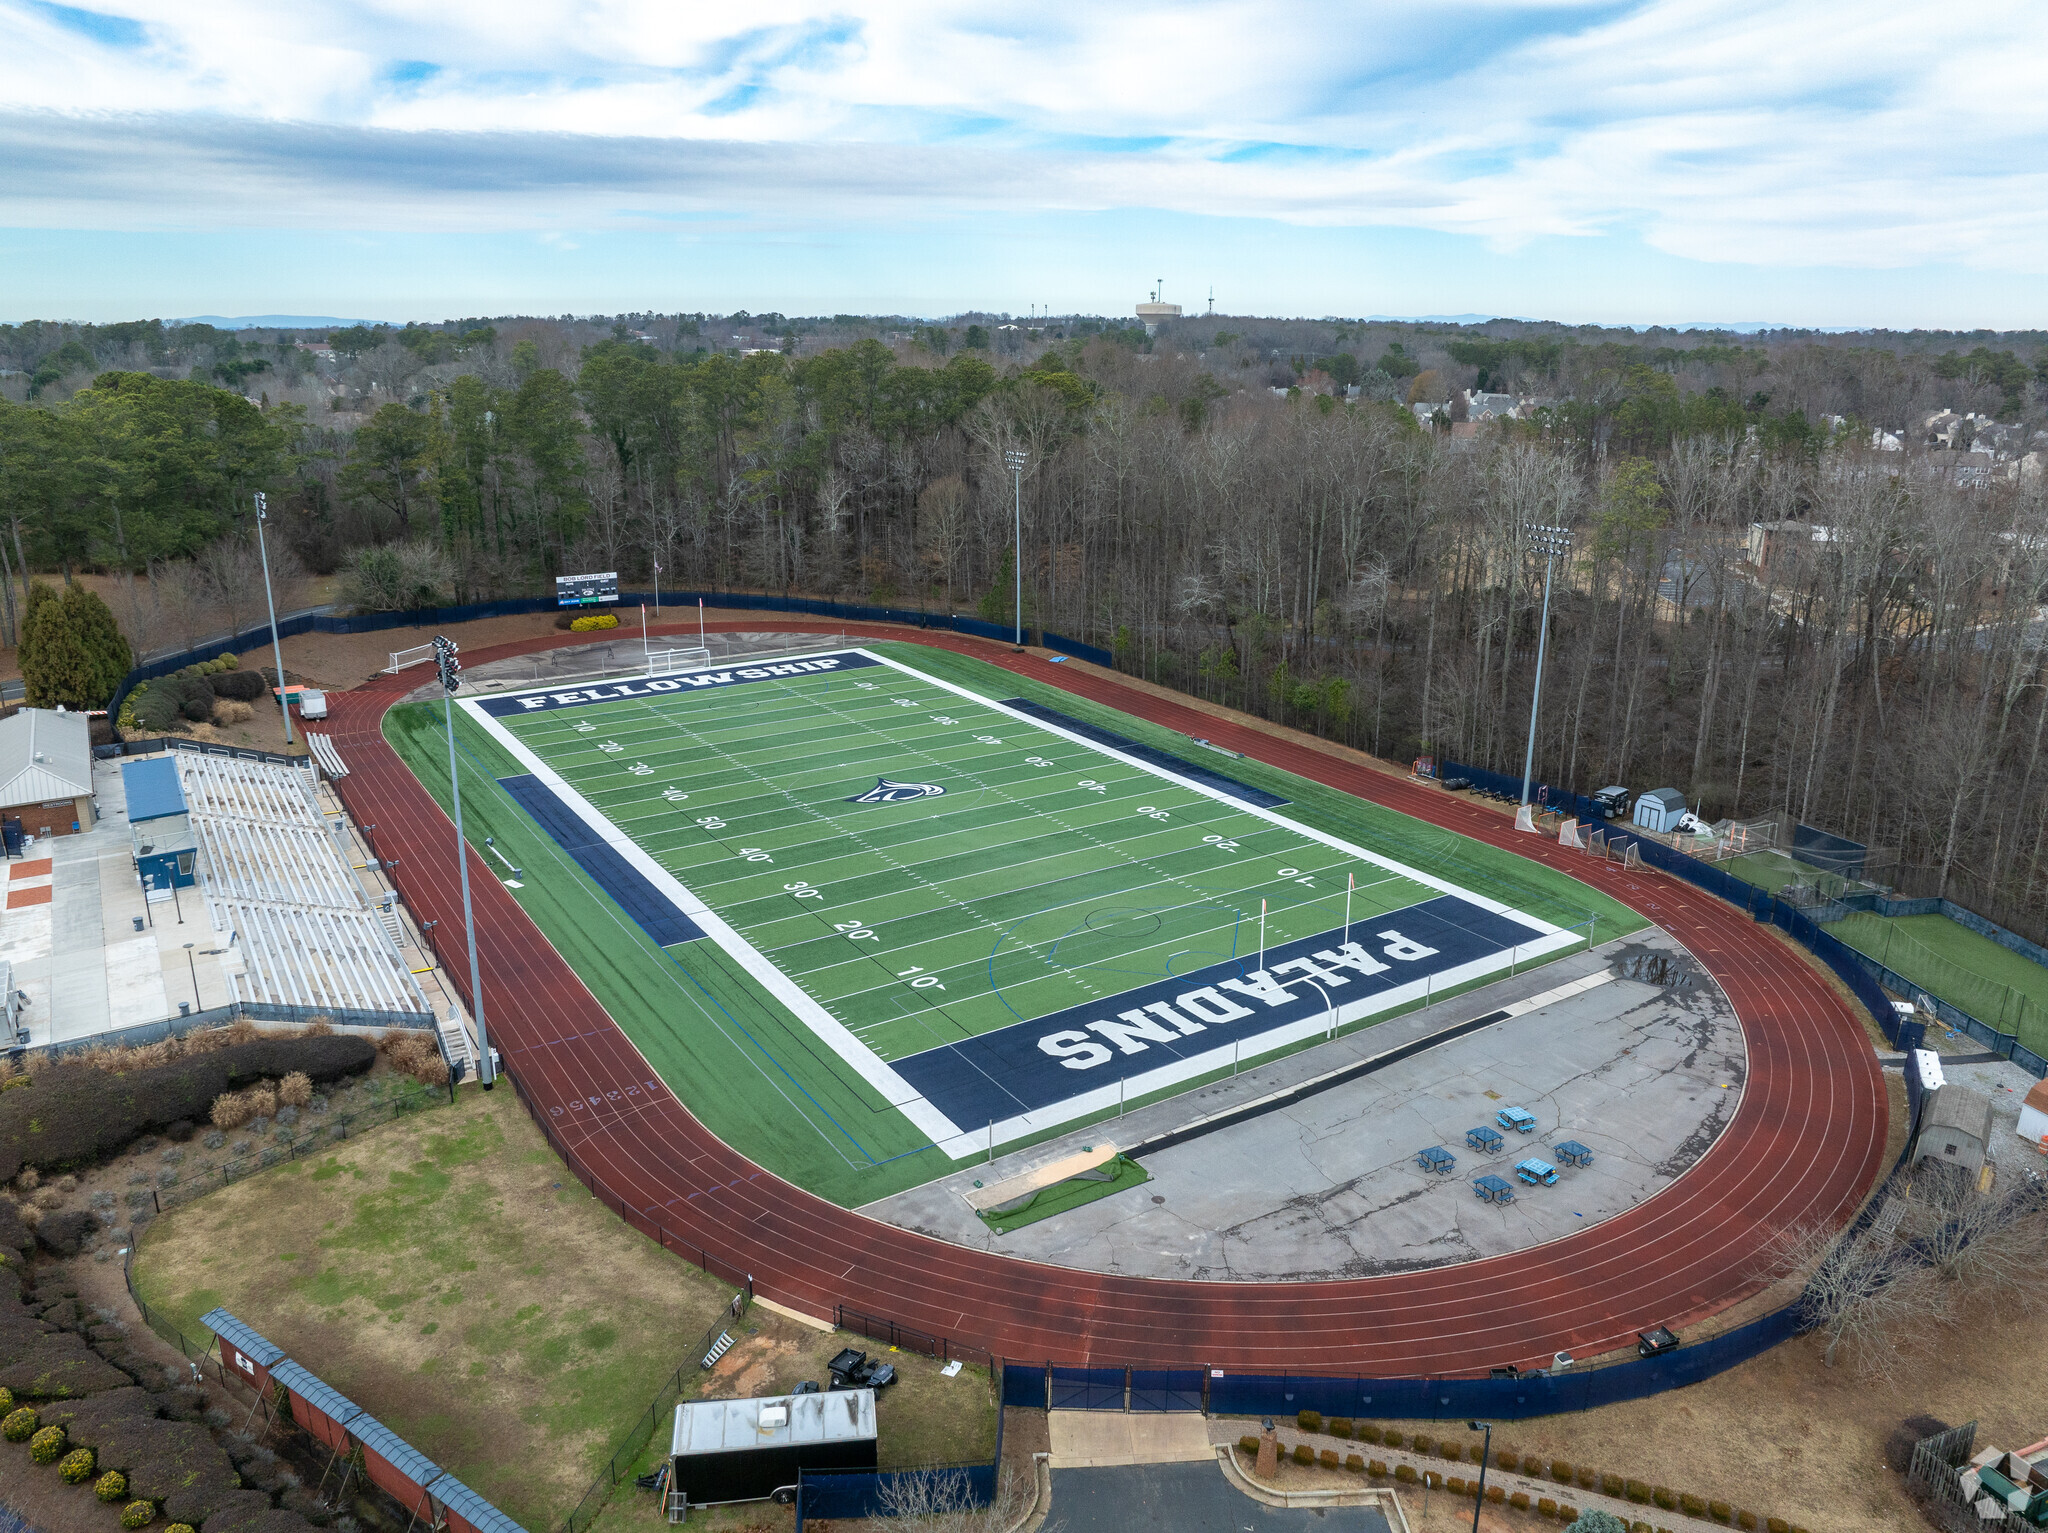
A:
(401, 658)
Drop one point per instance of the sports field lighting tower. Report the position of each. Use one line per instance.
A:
(1485, 1454)
(1017, 457)
(450, 669)
(1553, 541)
(276, 649)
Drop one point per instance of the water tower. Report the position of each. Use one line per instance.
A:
(1155, 313)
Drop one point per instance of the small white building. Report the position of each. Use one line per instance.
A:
(1660, 809)
(2034, 1116)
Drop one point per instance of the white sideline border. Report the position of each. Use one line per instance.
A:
(959, 1143)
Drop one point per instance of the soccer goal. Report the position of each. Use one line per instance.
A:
(401, 658)
(1568, 835)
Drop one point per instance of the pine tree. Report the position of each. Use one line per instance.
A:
(99, 635)
(72, 651)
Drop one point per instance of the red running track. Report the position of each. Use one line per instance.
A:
(1805, 1142)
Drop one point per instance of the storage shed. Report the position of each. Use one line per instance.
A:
(2034, 1116)
(242, 1351)
(159, 826)
(1660, 809)
(1955, 1128)
(746, 1450)
(46, 771)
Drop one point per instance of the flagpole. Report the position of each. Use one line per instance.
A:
(1353, 884)
(1262, 935)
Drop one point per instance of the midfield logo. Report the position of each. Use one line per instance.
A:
(886, 792)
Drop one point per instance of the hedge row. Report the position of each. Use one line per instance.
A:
(1560, 1470)
(156, 707)
(74, 1115)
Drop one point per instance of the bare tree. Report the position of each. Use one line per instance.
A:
(943, 1502)
(1867, 1292)
(1986, 1245)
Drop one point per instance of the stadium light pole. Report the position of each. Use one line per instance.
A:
(450, 669)
(1485, 1453)
(270, 601)
(1553, 541)
(1017, 457)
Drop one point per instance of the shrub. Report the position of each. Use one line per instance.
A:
(592, 622)
(1328, 1458)
(563, 620)
(1664, 1498)
(1532, 1463)
(1450, 1451)
(1597, 1521)
(1376, 1469)
(1432, 1479)
(1248, 1444)
(1637, 1492)
(1309, 1421)
(1304, 1455)
(1566, 1512)
(1560, 1471)
(74, 1115)
(242, 686)
(1368, 1433)
(227, 711)
(77, 1467)
(20, 1424)
(1546, 1507)
(1746, 1521)
(1721, 1511)
(1339, 1426)
(1691, 1505)
(295, 1090)
(1455, 1484)
(1394, 1438)
(6, 1400)
(47, 1446)
(1424, 1443)
(1587, 1478)
(1354, 1463)
(1405, 1473)
(1611, 1485)
(138, 1514)
(1777, 1525)
(180, 1527)
(1519, 1501)
(111, 1486)
(1496, 1494)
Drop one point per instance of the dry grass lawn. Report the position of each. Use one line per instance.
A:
(448, 1274)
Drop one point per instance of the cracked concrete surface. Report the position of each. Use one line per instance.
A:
(1645, 1071)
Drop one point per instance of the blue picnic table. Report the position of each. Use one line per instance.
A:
(1492, 1189)
(1534, 1171)
(1572, 1153)
(1520, 1119)
(1483, 1139)
(1435, 1158)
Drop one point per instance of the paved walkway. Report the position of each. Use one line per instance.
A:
(1224, 1429)
(1187, 1498)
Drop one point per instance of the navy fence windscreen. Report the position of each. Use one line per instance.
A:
(1166, 1389)
(1087, 1389)
(1024, 1385)
(1166, 761)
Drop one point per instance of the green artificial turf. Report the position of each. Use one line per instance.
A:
(758, 1076)
(1997, 986)
(1063, 1197)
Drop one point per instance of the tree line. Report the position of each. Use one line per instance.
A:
(1870, 661)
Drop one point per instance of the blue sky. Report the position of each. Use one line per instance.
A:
(1643, 161)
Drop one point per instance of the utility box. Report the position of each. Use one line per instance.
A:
(1660, 809)
(752, 1450)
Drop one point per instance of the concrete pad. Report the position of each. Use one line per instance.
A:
(1645, 1070)
(1186, 1498)
(1098, 1439)
(135, 982)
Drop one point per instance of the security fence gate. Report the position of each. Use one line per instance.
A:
(1060, 1387)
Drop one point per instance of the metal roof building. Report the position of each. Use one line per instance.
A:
(242, 1348)
(151, 784)
(747, 1450)
(46, 770)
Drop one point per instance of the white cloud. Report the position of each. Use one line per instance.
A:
(1834, 132)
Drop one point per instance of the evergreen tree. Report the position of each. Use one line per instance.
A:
(99, 636)
(55, 667)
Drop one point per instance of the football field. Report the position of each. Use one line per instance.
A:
(999, 917)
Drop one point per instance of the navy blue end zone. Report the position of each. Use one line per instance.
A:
(1035, 1064)
(650, 909)
(1151, 755)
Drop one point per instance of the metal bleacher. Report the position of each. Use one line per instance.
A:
(277, 880)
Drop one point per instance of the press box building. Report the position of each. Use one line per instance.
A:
(46, 773)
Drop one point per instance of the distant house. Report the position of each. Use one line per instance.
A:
(1488, 407)
(1955, 1129)
(2034, 1116)
(1771, 541)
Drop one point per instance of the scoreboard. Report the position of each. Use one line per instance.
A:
(587, 590)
